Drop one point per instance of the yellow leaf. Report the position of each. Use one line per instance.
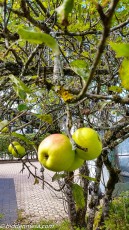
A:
(105, 2)
(36, 181)
(64, 94)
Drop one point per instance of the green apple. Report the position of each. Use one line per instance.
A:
(87, 138)
(5, 130)
(55, 152)
(78, 162)
(20, 151)
(10, 147)
(17, 151)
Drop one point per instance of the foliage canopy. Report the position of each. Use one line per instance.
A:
(64, 64)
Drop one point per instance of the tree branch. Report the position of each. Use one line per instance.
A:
(113, 179)
(106, 19)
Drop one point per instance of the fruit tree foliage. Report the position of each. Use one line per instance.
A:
(63, 65)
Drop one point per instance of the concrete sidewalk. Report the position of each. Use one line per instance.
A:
(19, 193)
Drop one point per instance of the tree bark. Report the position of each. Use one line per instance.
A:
(81, 213)
(95, 194)
(70, 200)
(113, 179)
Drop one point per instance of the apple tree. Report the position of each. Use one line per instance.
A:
(64, 65)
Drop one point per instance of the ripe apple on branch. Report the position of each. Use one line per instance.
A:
(55, 151)
(16, 149)
(89, 139)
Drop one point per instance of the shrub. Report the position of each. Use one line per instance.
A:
(118, 213)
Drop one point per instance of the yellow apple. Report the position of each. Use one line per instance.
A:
(87, 138)
(17, 151)
(10, 147)
(5, 130)
(20, 151)
(78, 162)
(55, 152)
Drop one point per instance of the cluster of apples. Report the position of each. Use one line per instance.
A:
(16, 149)
(56, 154)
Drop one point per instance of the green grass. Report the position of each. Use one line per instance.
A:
(1, 215)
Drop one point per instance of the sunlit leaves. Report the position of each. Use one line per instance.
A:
(44, 117)
(115, 88)
(124, 74)
(121, 49)
(105, 2)
(80, 68)
(39, 38)
(64, 10)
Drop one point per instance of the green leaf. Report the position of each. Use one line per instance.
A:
(88, 177)
(23, 138)
(63, 11)
(68, 6)
(3, 124)
(85, 54)
(39, 38)
(19, 87)
(22, 107)
(115, 88)
(44, 117)
(21, 93)
(124, 74)
(78, 196)
(78, 64)
(58, 176)
(121, 49)
(19, 84)
(80, 68)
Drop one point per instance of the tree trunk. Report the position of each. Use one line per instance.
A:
(113, 179)
(77, 217)
(70, 200)
(94, 194)
(81, 213)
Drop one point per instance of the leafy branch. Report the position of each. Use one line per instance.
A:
(106, 19)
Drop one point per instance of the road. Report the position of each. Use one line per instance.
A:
(19, 194)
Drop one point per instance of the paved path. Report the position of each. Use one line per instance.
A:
(18, 193)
